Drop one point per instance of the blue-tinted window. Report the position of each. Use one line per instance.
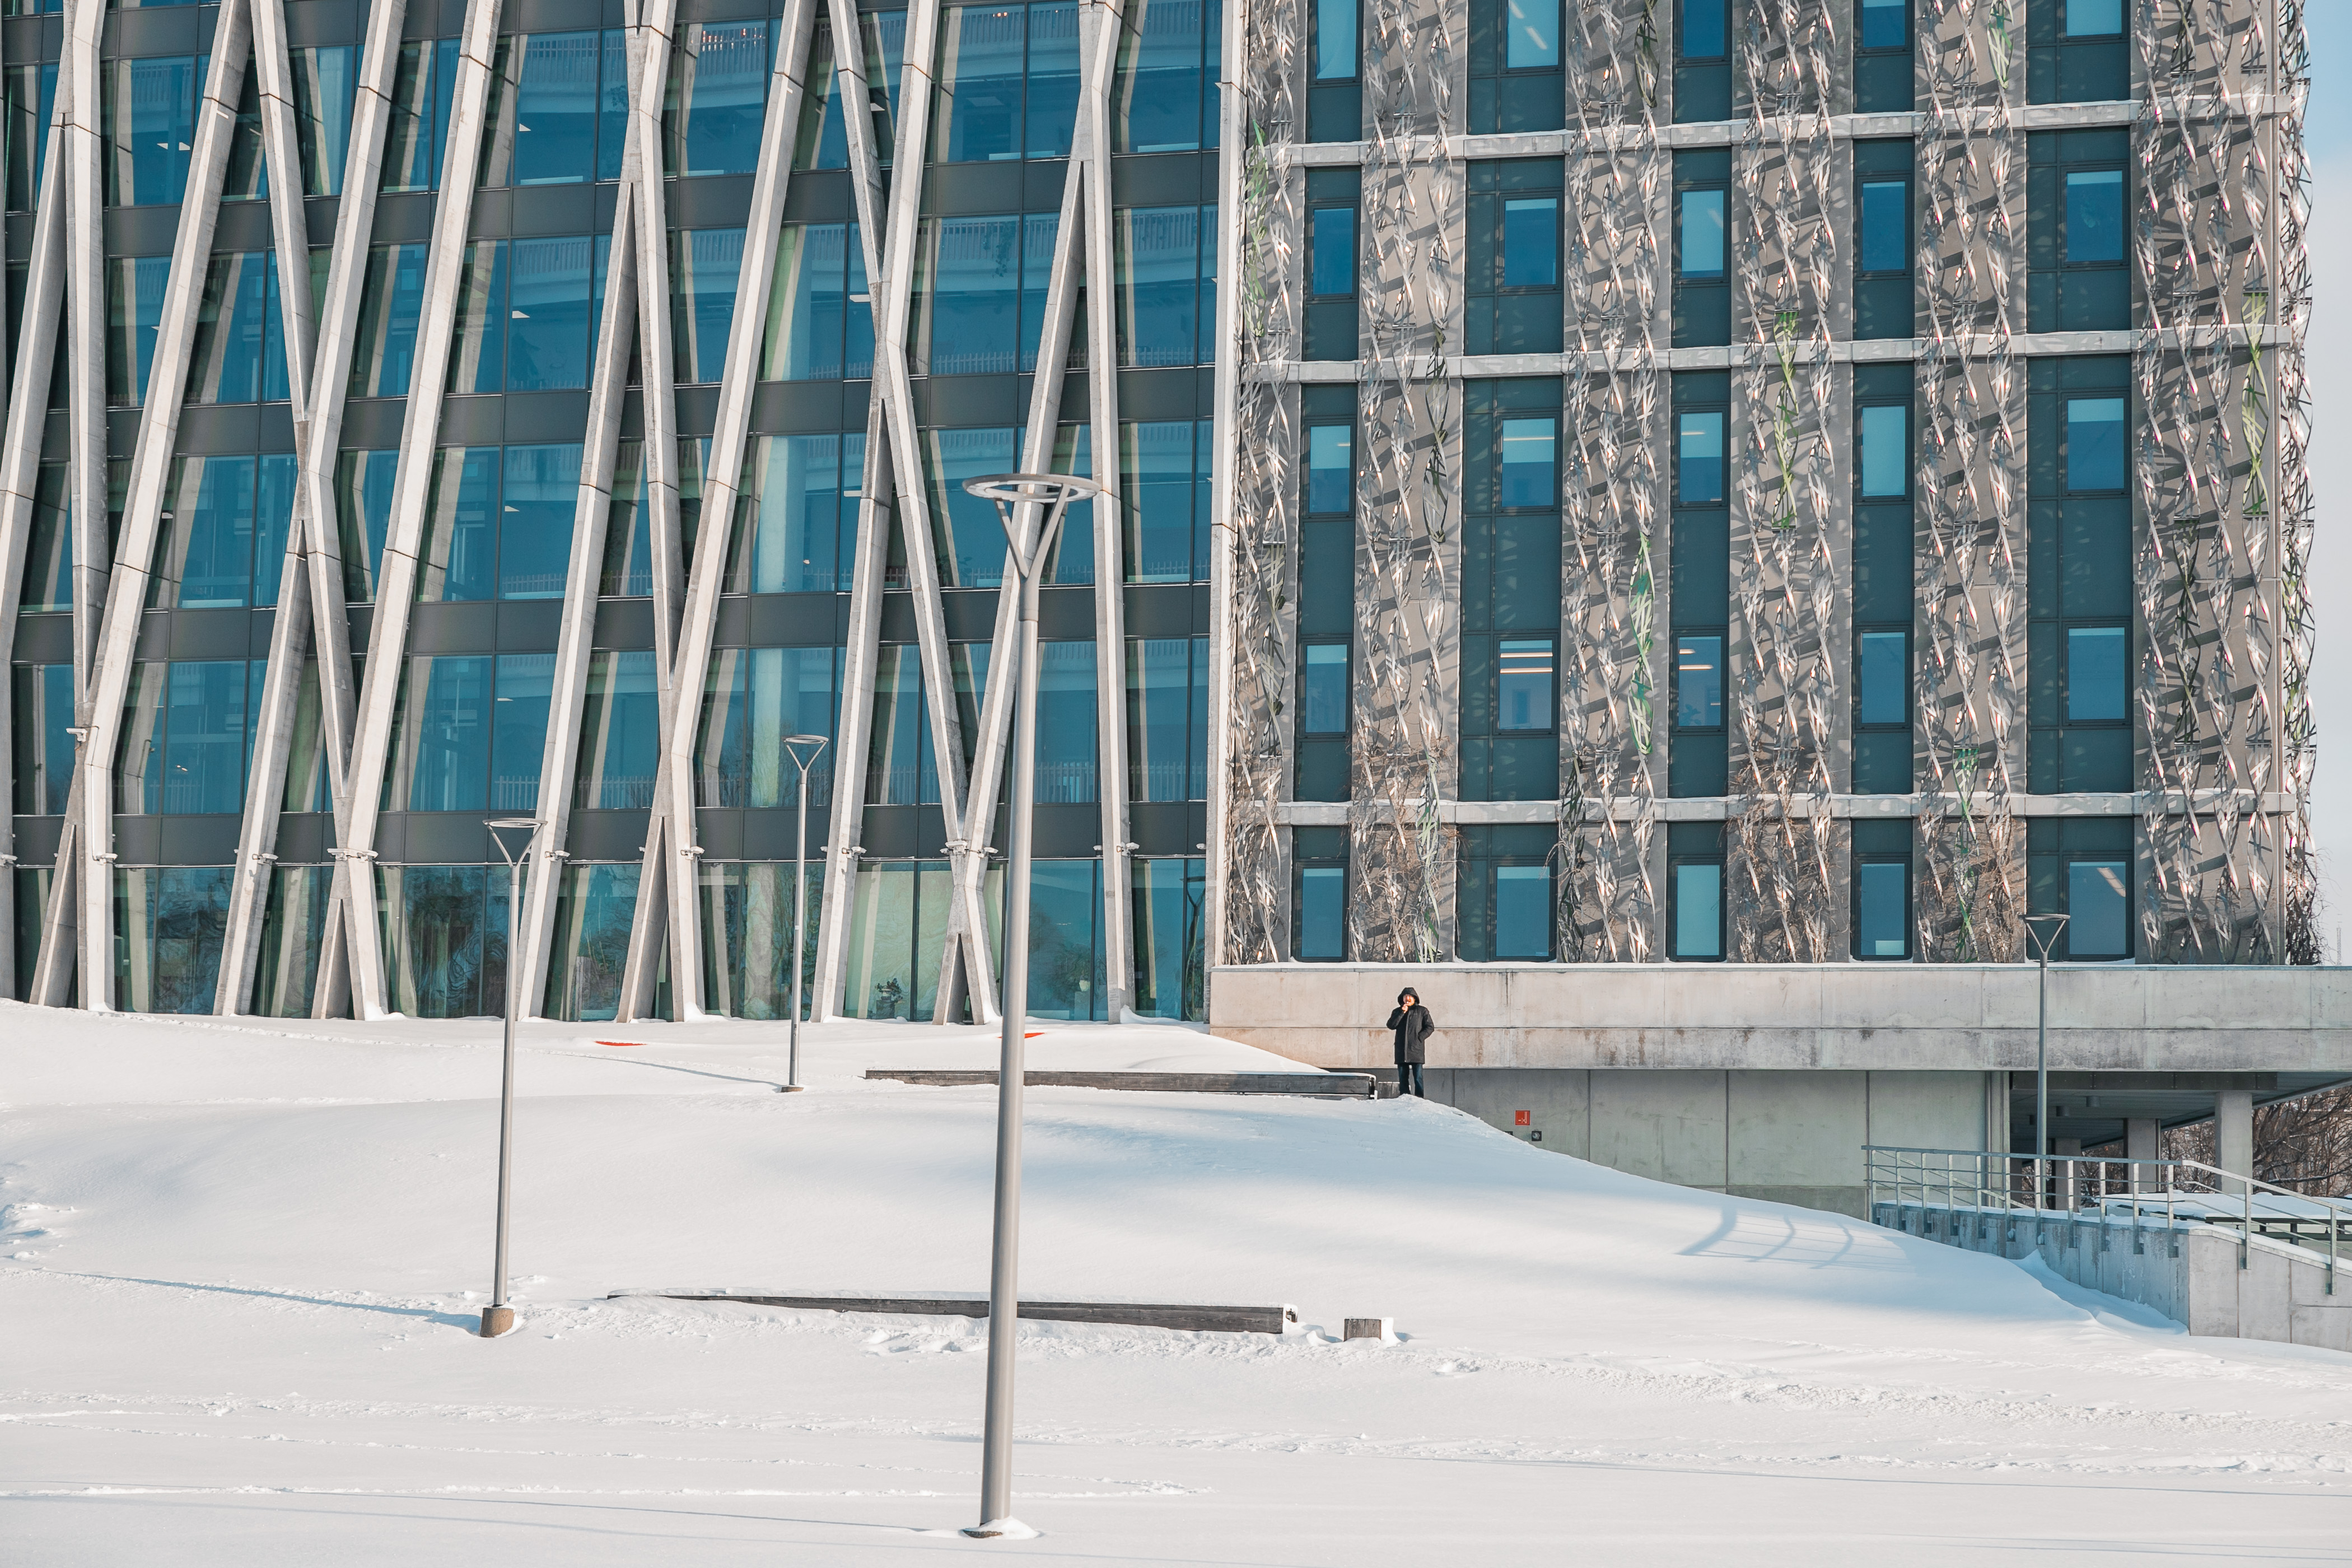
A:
(545, 101)
(1322, 911)
(390, 301)
(2095, 444)
(1531, 242)
(364, 483)
(240, 342)
(1885, 240)
(1523, 912)
(1882, 661)
(821, 326)
(1703, 35)
(2099, 910)
(135, 286)
(224, 542)
(802, 537)
(1162, 259)
(718, 98)
(753, 698)
(469, 733)
(499, 523)
(1527, 465)
(1330, 468)
(2094, 215)
(2093, 18)
(184, 737)
(1700, 234)
(1885, 458)
(2096, 678)
(32, 93)
(1323, 689)
(1052, 108)
(1331, 247)
(1882, 909)
(169, 923)
(150, 109)
(1698, 682)
(968, 295)
(325, 80)
(1162, 99)
(1168, 719)
(1698, 909)
(1164, 471)
(620, 734)
(705, 266)
(1335, 40)
(977, 117)
(1698, 459)
(43, 719)
(1531, 35)
(1886, 24)
(1523, 670)
(422, 86)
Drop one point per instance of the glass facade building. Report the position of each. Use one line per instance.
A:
(1627, 505)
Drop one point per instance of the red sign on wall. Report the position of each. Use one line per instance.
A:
(1518, 1118)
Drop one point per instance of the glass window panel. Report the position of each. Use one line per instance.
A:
(551, 310)
(477, 353)
(705, 265)
(1053, 109)
(307, 785)
(972, 556)
(818, 309)
(619, 738)
(541, 127)
(1066, 760)
(1527, 463)
(968, 295)
(628, 537)
(325, 80)
(721, 763)
(1335, 40)
(1156, 473)
(135, 286)
(1882, 919)
(803, 535)
(203, 763)
(237, 357)
(1160, 720)
(32, 93)
(1073, 548)
(48, 564)
(1886, 240)
(1885, 452)
(44, 720)
(2094, 215)
(594, 906)
(206, 560)
(362, 511)
(1170, 954)
(2096, 687)
(1698, 682)
(1157, 264)
(519, 730)
(1698, 909)
(1698, 459)
(1322, 911)
(899, 768)
(1156, 92)
(1531, 38)
(1038, 232)
(718, 98)
(539, 495)
(273, 515)
(390, 298)
(968, 669)
(139, 755)
(1523, 670)
(748, 928)
(460, 560)
(2097, 909)
(1531, 242)
(1330, 468)
(293, 928)
(1523, 912)
(1703, 35)
(1885, 658)
(150, 109)
(445, 939)
(2095, 444)
(1331, 241)
(2093, 18)
(441, 737)
(422, 83)
(245, 179)
(1323, 689)
(884, 35)
(170, 921)
(1065, 960)
(1702, 234)
(977, 116)
(1886, 24)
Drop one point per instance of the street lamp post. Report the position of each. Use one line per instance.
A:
(498, 1318)
(2042, 929)
(803, 750)
(1029, 505)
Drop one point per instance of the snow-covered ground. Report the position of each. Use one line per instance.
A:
(240, 1268)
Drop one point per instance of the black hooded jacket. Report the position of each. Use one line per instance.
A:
(1412, 1026)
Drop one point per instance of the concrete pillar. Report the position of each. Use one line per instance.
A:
(2142, 1138)
(2233, 1132)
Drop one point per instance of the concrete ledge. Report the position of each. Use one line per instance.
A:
(1319, 1085)
(1135, 1314)
(1893, 1017)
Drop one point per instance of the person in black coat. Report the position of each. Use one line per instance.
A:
(1412, 1026)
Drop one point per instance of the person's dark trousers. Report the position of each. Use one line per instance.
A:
(1409, 1079)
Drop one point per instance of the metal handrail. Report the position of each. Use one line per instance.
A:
(1992, 1180)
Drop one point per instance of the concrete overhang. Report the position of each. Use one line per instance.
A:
(2103, 1018)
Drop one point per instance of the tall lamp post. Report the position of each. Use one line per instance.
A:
(2044, 931)
(1029, 505)
(803, 750)
(498, 1318)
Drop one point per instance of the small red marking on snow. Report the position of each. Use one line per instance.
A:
(628, 1043)
(1034, 1035)
(1518, 1118)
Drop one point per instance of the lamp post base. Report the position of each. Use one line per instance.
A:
(1001, 1529)
(497, 1320)
(790, 1087)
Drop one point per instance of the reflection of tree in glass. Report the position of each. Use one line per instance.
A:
(1060, 971)
(886, 998)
